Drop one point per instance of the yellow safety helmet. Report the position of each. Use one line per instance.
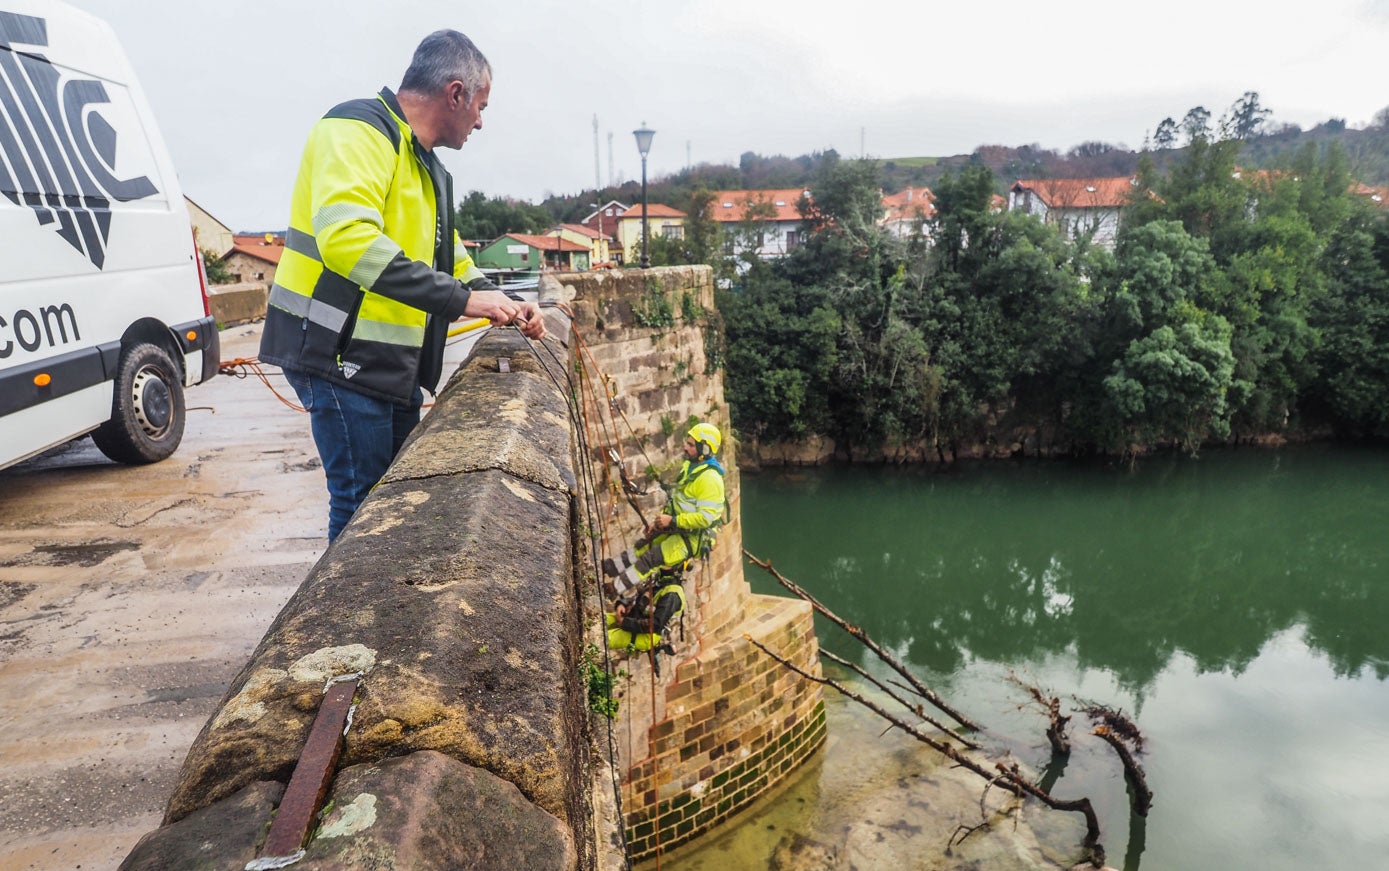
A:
(706, 438)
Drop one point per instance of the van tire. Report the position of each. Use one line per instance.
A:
(147, 412)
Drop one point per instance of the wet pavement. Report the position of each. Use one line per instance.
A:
(129, 599)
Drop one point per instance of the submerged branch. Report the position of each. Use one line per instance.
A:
(915, 709)
(1118, 731)
(917, 686)
(1056, 730)
(1009, 776)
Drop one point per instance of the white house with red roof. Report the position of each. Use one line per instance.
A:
(1377, 195)
(603, 220)
(1075, 205)
(908, 212)
(773, 217)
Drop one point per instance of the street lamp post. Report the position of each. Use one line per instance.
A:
(644, 135)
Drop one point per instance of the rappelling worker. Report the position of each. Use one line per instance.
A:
(682, 533)
(640, 624)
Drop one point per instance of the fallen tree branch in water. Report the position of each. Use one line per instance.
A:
(1009, 776)
(1056, 730)
(915, 709)
(1118, 731)
(957, 837)
(917, 686)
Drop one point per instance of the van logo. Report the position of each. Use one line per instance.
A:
(59, 154)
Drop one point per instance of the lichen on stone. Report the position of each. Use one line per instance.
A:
(248, 706)
(351, 818)
(330, 662)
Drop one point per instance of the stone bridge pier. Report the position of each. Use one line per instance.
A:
(464, 594)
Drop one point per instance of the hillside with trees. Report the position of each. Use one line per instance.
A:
(1230, 308)
(1247, 295)
(1265, 143)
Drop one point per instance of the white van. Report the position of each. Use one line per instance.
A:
(103, 303)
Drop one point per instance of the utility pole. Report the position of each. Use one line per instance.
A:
(611, 183)
(597, 176)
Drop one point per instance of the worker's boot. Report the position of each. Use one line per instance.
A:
(627, 582)
(612, 568)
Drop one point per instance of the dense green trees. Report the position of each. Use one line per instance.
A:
(481, 217)
(1235, 303)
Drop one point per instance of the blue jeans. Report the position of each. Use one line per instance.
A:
(357, 437)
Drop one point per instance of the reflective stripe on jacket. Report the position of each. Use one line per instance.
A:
(697, 500)
(369, 278)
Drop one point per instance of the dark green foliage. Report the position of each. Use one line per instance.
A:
(598, 682)
(654, 309)
(1352, 360)
(484, 219)
(216, 269)
(1236, 303)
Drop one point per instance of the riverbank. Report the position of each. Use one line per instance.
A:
(823, 451)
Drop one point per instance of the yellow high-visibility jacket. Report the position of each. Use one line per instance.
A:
(697, 499)
(372, 270)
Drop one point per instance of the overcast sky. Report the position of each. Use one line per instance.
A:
(236, 85)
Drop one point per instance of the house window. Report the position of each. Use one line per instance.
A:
(673, 231)
(526, 257)
(793, 238)
(260, 276)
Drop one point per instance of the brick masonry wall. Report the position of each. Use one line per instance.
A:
(727, 723)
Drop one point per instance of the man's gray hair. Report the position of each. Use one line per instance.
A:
(445, 56)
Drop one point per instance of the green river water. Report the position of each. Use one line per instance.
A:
(1234, 605)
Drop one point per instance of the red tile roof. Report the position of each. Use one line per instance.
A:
(655, 210)
(609, 220)
(257, 247)
(587, 232)
(730, 206)
(1079, 193)
(547, 243)
(1377, 195)
(904, 204)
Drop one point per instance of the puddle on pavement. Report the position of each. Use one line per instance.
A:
(12, 592)
(84, 555)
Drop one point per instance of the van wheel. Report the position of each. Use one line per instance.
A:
(147, 412)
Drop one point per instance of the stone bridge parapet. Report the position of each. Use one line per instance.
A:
(463, 593)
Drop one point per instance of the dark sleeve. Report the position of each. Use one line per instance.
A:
(423, 287)
(656, 623)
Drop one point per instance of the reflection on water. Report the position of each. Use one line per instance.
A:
(1235, 604)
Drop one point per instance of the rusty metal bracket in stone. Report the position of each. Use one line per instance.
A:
(312, 776)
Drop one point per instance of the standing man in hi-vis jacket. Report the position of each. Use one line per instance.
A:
(373, 270)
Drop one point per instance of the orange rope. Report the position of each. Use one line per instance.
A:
(242, 366)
